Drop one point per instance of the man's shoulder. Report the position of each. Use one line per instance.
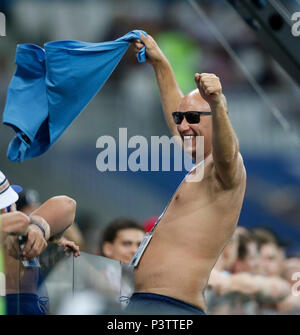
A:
(238, 176)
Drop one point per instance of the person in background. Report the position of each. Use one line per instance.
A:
(271, 252)
(243, 292)
(121, 239)
(273, 263)
(25, 237)
(247, 255)
(118, 241)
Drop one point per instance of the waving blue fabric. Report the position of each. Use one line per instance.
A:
(26, 103)
(53, 85)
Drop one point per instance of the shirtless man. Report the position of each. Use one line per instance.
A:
(172, 273)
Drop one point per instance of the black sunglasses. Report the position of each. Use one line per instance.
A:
(191, 117)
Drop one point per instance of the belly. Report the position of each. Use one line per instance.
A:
(180, 257)
(173, 271)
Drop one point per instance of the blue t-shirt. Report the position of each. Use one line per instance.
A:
(53, 85)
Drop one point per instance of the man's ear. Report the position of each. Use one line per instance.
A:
(107, 249)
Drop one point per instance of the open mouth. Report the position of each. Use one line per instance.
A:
(188, 137)
(189, 142)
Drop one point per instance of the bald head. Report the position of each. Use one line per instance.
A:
(193, 101)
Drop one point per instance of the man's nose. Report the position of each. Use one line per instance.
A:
(184, 125)
(133, 249)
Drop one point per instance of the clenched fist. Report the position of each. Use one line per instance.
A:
(210, 88)
(35, 243)
(14, 223)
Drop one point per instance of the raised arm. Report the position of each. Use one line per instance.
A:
(225, 148)
(59, 213)
(170, 93)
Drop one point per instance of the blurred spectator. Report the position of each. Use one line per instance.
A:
(241, 291)
(221, 295)
(118, 241)
(271, 252)
(273, 263)
(247, 258)
(121, 239)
